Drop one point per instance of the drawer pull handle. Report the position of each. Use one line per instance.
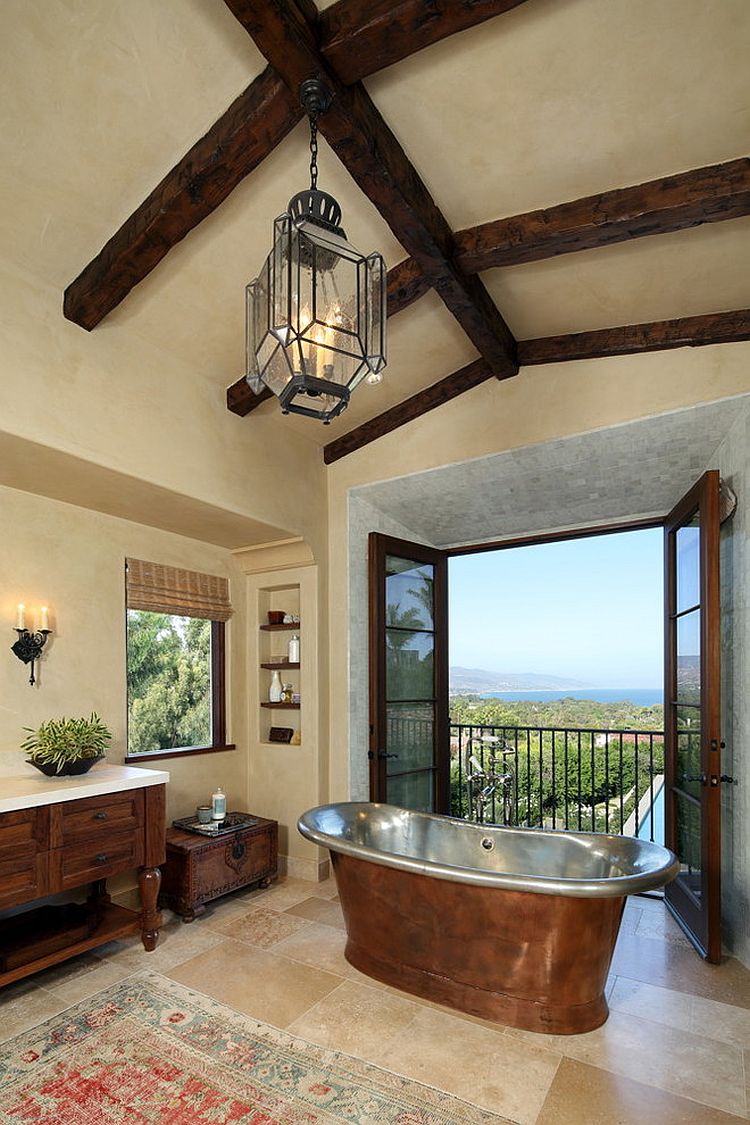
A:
(101, 858)
(100, 816)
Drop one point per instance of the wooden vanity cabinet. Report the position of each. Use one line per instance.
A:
(67, 845)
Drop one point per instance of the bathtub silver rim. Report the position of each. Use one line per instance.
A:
(662, 867)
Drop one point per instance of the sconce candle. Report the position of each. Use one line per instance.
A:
(28, 647)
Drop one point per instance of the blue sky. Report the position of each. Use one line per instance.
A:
(590, 609)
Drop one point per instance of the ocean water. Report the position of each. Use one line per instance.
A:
(643, 697)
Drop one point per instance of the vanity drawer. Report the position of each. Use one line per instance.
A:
(24, 831)
(24, 839)
(101, 816)
(97, 858)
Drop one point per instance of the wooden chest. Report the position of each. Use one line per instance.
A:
(199, 869)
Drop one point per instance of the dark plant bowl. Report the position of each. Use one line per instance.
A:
(69, 769)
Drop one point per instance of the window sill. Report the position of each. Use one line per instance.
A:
(155, 755)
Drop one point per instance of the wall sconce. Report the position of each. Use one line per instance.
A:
(28, 647)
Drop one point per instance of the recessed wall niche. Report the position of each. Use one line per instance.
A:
(274, 604)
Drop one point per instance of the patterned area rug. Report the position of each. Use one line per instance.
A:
(149, 1050)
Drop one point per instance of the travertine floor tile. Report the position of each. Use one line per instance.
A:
(254, 981)
(282, 894)
(356, 1019)
(262, 926)
(660, 924)
(678, 967)
(81, 977)
(483, 1066)
(721, 1021)
(671, 1059)
(630, 918)
(318, 945)
(649, 1001)
(178, 942)
(325, 889)
(24, 1005)
(320, 910)
(586, 1095)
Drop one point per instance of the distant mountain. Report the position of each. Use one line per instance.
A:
(478, 680)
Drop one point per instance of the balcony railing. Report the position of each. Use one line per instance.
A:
(576, 778)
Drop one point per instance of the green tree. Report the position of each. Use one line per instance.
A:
(169, 681)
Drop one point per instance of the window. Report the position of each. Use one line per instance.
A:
(175, 660)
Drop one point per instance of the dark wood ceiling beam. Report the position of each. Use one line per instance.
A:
(242, 137)
(406, 411)
(703, 195)
(373, 157)
(359, 37)
(660, 335)
(688, 199)
(406, 284)
(628, 339)
(242, 401)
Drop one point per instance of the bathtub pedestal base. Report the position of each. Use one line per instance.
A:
(554, 1019)
(533, 961)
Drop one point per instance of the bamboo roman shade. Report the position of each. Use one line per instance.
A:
(169, 589)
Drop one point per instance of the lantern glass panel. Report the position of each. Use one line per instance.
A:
(252, 338)
(280, 279)
(376, 306)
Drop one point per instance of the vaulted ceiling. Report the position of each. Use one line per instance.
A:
(451, 128)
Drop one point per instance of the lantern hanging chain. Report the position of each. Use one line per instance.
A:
(313, 151)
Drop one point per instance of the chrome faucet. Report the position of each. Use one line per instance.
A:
(482, 784)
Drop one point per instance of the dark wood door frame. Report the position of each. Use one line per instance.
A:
(379, 547)
(698, 915)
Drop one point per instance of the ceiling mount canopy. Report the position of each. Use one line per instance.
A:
(315, 315)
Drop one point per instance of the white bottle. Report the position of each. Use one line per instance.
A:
(218, 805)
(275, 690)
(294, 649)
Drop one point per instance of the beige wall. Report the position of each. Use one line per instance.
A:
(539, 405)
(285, 780)
(116, 400)
(73, 561)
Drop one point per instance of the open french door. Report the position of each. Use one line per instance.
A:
(692, 712)
(409, 742)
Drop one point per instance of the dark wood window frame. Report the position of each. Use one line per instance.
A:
(218, 708)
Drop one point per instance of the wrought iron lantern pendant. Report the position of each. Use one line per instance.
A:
(315, 315)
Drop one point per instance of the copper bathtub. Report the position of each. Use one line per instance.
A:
(516, 925)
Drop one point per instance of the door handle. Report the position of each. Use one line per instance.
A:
(383, 754)
(695, 777)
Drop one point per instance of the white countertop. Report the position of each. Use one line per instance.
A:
(23, 787)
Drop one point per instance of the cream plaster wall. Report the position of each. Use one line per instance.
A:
(73, 560)
(111, 398)
(732, 458)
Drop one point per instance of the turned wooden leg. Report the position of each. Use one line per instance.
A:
(149, 881)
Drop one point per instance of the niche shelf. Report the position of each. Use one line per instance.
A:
(272, 658)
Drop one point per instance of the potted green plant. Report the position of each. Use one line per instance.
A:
(67, 746)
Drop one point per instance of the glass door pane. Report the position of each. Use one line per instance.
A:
(692, 732)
